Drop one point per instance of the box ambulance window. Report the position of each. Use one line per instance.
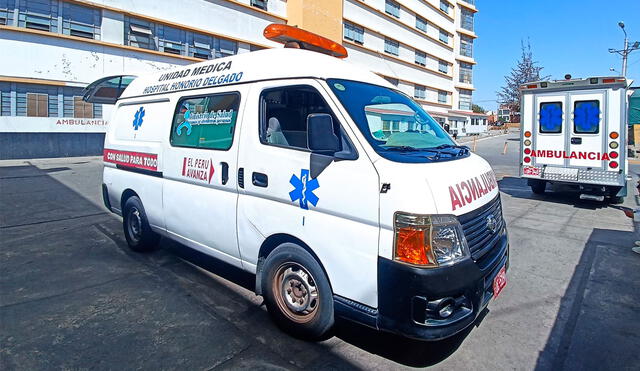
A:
(550, 117)
(586, 117)
(284, 113)
(205, 122)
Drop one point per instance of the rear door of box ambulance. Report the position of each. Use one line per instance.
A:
(586, 129)
(549, 129)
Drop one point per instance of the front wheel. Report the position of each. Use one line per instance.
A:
(297, 293)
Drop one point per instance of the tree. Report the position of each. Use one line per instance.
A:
(525, 71)
(477, 109)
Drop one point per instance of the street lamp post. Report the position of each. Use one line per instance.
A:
(626, 50)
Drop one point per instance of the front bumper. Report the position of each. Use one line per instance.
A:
(407, 295)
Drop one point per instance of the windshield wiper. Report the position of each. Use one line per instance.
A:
(401, 148)
(463, 149)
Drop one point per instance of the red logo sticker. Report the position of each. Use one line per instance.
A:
(198, 169)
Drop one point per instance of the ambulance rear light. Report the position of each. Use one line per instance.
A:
(544, 84)
(527, 134)
(614, 135)
(527, 142)
(527, 151)
(613, 164)
(613, 155)
(532, 86)
(289, 35)
(613, 145)
(593, 80)
(527, 159)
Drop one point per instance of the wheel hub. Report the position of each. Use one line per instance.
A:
(298, 294)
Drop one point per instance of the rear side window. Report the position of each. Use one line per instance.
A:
(284, 116)
(206, 122)
(586, 117)
(550, 117)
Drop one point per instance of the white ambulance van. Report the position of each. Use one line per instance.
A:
(339, 192)
(574, 134)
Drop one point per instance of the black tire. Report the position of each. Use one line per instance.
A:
(538, 187)
(136, 227)
(290, 274)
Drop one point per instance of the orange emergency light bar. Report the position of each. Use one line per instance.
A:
(285, 34)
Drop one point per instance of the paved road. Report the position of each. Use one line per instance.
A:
(73, 296)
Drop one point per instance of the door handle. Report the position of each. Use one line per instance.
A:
(260, 180)
(576, 140)
(225, 172)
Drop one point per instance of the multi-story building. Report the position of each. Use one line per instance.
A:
(53, 48)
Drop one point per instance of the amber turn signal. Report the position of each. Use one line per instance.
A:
(613, 135)
(527, 134)
(412, 247)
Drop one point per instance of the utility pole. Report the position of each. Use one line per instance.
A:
(626, 50)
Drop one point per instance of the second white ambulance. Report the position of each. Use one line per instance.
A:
(339, 192)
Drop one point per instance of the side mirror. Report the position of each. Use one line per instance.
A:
(320, 136)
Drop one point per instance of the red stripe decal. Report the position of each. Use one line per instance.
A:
(147, 161)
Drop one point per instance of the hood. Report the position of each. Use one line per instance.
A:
(451, 187)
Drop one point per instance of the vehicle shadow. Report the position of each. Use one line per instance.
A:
(399, 349)
(518, 188)
(598, 324)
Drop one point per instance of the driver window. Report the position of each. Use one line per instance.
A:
(284, 114)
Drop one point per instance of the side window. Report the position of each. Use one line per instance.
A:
(205, 122)
(550, 117)
(284, 113)
(586, 117)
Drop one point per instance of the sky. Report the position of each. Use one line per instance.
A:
(566, 36)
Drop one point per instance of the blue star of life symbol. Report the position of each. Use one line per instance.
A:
(137, 119)
(303, 189)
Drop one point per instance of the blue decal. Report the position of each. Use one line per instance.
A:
(303, 189)
(186, 123)
(551, 117)
(137, 120)
(587, 117)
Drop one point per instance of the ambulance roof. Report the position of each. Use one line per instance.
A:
(248, 67)
(575, 84)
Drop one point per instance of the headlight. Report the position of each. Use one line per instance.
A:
(428, 240)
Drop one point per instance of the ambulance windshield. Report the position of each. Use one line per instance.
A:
(394, 124)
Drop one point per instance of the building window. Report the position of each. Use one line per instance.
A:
(225, 48)
(392, 81)
(444, 36)
(37, 105)
(211, 124)
(200, 46)
(6, 12)
(443, 66)
(420, 92)
(444, 6)
(261, 4)
(5, 99)
(39, 15)
(466, 19)
(171, 40)
(74, 106)
(140, 33)
(353, 33)
(442, 96)
(421, 58)
(466, 73)
(466, 46)
(465, 100)
(82, 109)
(391, 46)
(80, 21)
(393, 8)
(421, 23)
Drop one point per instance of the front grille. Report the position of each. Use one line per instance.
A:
(482, 241)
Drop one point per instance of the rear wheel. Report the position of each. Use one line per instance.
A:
(297, 293)
(136, 227)
(538, 186)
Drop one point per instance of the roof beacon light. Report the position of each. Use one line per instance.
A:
(296, 37)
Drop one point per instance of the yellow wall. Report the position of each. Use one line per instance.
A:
(323, 17)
